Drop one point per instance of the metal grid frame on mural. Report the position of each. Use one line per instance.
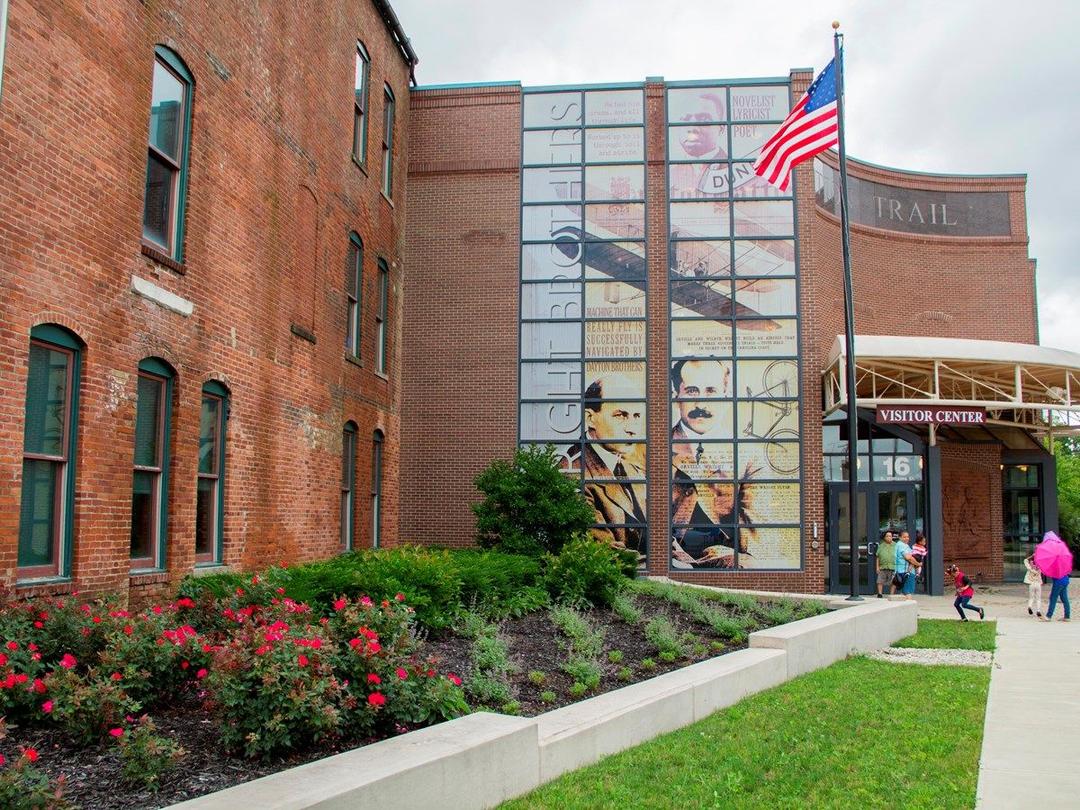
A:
(713, 130)
(602, 264)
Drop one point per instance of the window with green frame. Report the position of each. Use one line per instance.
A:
(376, 488)
(348, 486)
(167, 153)
(388, 143)
(150, 483)
(210, 489)
(354, 276)
(46, 511)
(380, 317)
(360, 100)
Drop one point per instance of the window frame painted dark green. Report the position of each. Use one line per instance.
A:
(56, 338)
(388, 143)
(377, 441)
(380, 318)
(161, 373)
(178, 195)
(348, 485)
(360, 106)
(217, 391)
(354, 270)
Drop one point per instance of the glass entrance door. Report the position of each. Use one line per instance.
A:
(884, 507)
(840, 541)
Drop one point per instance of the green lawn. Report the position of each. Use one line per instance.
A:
(952, 635)
(832, 738)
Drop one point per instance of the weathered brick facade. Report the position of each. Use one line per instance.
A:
(272, 195)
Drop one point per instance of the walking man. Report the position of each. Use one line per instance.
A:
(886, 564)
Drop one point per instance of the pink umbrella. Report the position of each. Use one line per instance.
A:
(1053, 557)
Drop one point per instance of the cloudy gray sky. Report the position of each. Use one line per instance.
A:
(958, 86)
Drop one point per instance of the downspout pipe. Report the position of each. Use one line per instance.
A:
(398, 33)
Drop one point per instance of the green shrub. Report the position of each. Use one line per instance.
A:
(488, 683)
(583, 640)
(537, 678)
(529, 505)
(647, 664)
(85, 707)
(145, 755)
(661, 633)
(615, 656)
(624, 674)
(584, 671)
(585, 571)
(578, 690)
(511, 707)
(547, 696)
(24, 787)
(626, 609)
(490, 579)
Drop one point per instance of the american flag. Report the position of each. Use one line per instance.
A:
(810, 128)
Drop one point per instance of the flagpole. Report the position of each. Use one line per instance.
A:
(849, 327)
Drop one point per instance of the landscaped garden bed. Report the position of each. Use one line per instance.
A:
(238, 677)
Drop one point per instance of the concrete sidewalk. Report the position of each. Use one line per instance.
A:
(1032, 731)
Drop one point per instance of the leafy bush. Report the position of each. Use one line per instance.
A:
(145, 755)
(585, 571)
(661, 633)
(584, 671)
(488, 682)
(626, 609)
(529, 506)
(85, 707)
(24, 787)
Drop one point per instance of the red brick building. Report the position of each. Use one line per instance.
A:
(201, 214)
(224, 344)
(616, 177)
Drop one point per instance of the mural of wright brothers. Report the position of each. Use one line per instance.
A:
(611, 425)
(711, 506)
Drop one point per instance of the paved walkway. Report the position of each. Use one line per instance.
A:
(1032, 732)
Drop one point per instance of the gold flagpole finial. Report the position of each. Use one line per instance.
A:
(835, 24)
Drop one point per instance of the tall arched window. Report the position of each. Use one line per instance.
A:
(348, 485)
(354, 274)
(46, 511)
(150, 484)
(360, 101)
(167, 157)
(376, 488)
(210, 495)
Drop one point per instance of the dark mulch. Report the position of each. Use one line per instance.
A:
(535, 645)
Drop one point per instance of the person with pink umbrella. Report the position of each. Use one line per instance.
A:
(1055, 560)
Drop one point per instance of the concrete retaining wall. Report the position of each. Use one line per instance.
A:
(483, 759)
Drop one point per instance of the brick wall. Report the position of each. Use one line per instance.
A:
(272, 195)
(971, 509)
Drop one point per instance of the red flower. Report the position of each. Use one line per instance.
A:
(376, 699)
(400, 597)
(96, 620)
(31, 646)
(31, 754)
(22, 677)
(281, 591)
(38, 687)
(265, 648)
(3, 659)
(385, 603)
(365, 601)
(355, 642)
(201, 673)
(401, 673)
(373, 678)
(185, 602)
(184, 664)
(255, 580)
(302, 660)
(68, 661)
(116, 732)
(128, 629)
(2, 760)
(116, 676)
(39, 625)
(454, 679)
(373, 647)
(315, 643)
(239, 591)
(47, 706)
(35, 657)
(156, 609)
(13, 645)
(339, 604)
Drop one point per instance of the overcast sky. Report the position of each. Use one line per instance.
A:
(959, 86)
